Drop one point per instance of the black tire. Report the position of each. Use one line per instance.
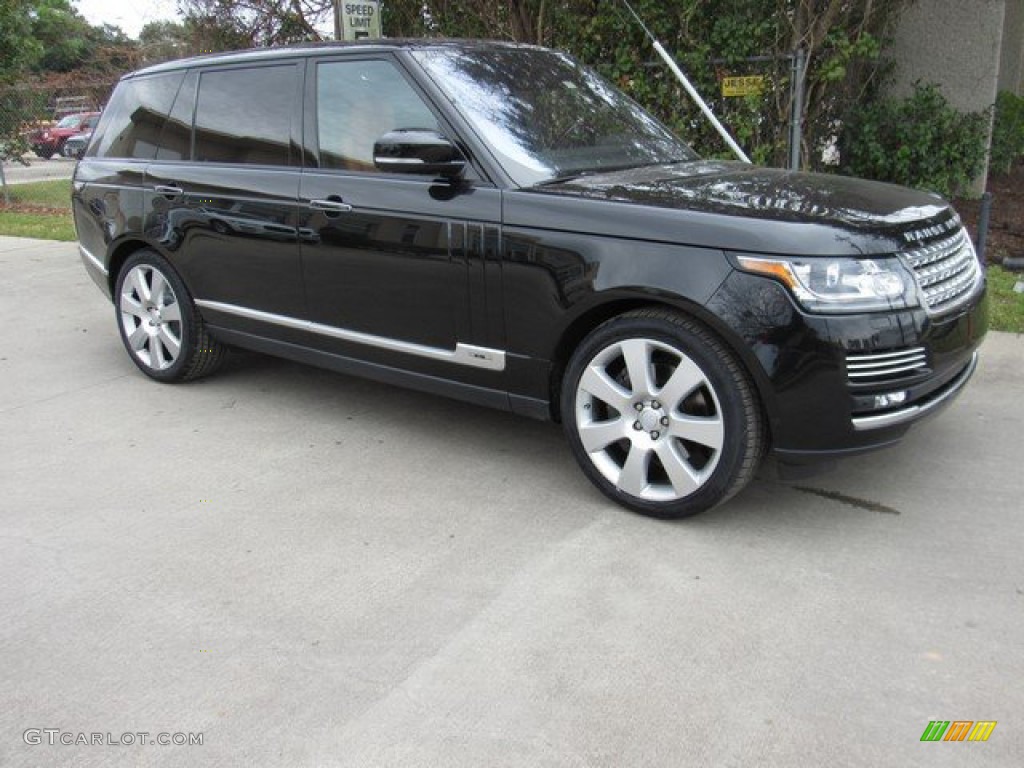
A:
(45, 154)
(669, 459)
(160, 326)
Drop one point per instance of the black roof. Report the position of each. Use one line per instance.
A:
(322, 48)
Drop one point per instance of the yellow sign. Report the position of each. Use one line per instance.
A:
(359, 19)
(750, 85)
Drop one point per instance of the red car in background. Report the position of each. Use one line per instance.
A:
(49, 141)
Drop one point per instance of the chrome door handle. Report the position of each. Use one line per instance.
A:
(169, 191)
(334, 206)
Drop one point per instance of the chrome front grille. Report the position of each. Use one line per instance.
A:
(946, 271)
(880, 367)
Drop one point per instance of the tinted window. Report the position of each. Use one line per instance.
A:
(176, 140)
(134, 118)
(359, 101)
(245, 115)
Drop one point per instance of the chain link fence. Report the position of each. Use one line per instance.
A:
(27, 112)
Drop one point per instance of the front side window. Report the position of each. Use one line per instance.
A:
(245, 115)
(545, 116)
(132, 122)
(357, 102)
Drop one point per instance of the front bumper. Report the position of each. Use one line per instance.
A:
(819, 403)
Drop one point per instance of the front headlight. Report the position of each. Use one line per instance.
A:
(839, 284)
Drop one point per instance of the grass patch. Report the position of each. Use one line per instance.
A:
(44, 226)
(40, 209)
(1006, 306)
(55, 193)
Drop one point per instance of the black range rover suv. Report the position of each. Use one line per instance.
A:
(496, 223)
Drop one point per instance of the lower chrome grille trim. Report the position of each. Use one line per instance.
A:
(914, 412)
(866, 369)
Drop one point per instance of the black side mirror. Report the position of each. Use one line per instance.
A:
(415, 150)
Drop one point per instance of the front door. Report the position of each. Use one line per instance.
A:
(397, 267)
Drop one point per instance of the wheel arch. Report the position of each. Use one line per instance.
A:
(118, 256)
(124, 251)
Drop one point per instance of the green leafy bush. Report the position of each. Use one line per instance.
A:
(1007, 132)
(919, 141)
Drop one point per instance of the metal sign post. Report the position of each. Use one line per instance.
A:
(671, 64)
(796, 120)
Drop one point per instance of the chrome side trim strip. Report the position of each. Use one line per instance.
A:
(862, 423)
(95, 262)
(463, 354)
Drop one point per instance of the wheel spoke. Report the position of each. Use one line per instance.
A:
(633, 478)
(599, 435)
(595, 381)
(637, 354)
(681, 475)
(138, 282)
(686, 378)
(156, 353)
(703, 430)
(132, 307)
(171, 313)
(137, 339)
(157, 286)
(170, 342)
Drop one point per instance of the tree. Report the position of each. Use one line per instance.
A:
(19, 50)
(163, 41)
(228, 24)
(63, 34)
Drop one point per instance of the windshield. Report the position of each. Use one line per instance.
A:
(71, 121)
(546, 117)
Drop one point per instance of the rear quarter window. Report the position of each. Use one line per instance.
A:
(134, 118)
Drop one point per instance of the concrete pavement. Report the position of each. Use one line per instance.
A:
(309, 569)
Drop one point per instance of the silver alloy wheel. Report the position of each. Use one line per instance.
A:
(151, 317)
(649, 419)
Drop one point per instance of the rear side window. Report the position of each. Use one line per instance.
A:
(134, 119)
(245, 115)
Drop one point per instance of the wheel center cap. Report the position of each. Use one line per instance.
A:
(650, 419)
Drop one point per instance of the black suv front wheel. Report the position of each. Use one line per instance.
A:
(660, 415)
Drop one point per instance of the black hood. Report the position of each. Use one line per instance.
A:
(880, 217)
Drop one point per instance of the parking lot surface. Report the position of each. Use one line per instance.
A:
(313, 570)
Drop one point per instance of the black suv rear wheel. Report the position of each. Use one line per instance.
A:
(160, 326)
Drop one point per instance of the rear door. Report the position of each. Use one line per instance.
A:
(222, 191)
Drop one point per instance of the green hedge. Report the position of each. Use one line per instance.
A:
(1007, 132)
(919, 141)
